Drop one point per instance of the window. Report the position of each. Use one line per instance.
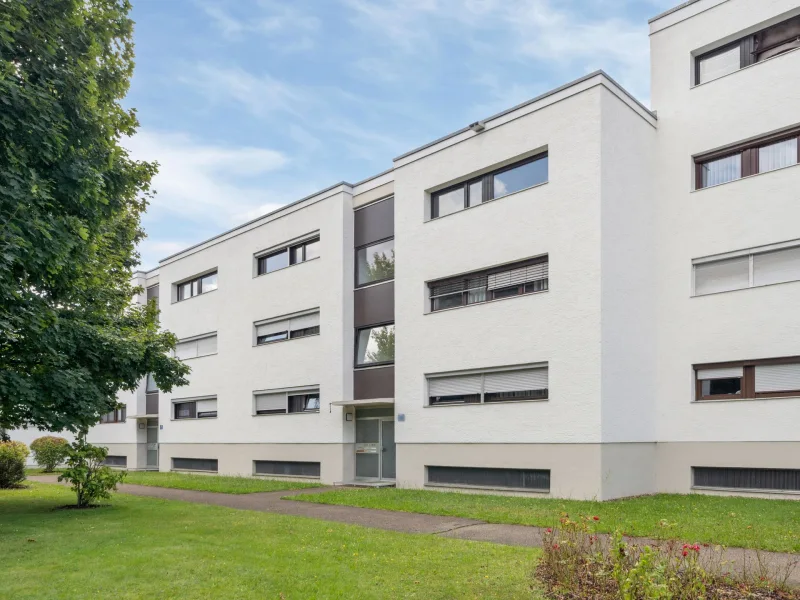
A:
(286, 328)
(152, 294)
(749, 50)
(197, 286)
(516, 279)
(753, 269)
(287, 402)
(491, 186)
(196, 347)
(210, 465)
(375, 345)
(508, 385)
(116, 461)
(205, 408)
(743, 160)
(115, 416)
(290, 255)
(375, 263)
(286, 468)
(520, 479)
(777, 480)
(769, 378)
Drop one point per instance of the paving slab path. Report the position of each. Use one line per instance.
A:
(453, 527)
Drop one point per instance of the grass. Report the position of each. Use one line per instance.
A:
(209, 483)
(147, 548)
(729, 521)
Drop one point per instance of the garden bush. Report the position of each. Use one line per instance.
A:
(91, 480)
(49, 452)
(578, 563)
(12, 463)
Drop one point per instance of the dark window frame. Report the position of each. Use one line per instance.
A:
(307, 392)
(487, 187)
(356, 364)
(118, 415)
(748, 50)
(314, 468)
(749, 155)
(490, 295)
(291, 334)
(748, 386)
(209, 414)
(355, 262)
(709, 473)
(289, 249)
(458, 472)
(180, 297)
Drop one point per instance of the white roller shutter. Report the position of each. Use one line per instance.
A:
(722, 276)
(457, 385)
(184, 350)
(305, 321)
(207, 345)
(274, 327)
(516, 381)
(518, 276)
(776, 267)
(722, 373)
(271, 402)
(208, 405)
(778, 378)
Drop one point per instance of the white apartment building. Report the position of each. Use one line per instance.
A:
(589, 299)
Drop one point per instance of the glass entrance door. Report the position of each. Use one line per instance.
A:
(375, 448)
(152, 443)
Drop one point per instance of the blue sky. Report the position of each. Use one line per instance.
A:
(250, 104)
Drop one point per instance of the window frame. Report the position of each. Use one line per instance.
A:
(288, 249)
(489, 294)
(198, 280)
(178, 401)
(118, 415)
(358, 330)
(487, 186)
(747, 51)
(196, 339)
(287, 393)
(748, 380)
(290, 333)
(358, 285)
(749, 152)
(483, 393)
(751, 255)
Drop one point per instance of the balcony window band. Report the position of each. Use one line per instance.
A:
(765, 378)
(515, 279)
(490, 186)
(762, 155)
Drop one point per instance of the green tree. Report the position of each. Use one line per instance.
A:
(384, 344)
(70, 204)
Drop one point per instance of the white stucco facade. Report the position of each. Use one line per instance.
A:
(620, 218)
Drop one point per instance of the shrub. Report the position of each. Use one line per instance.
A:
(90, 479)
(49, 452)
(12, 463)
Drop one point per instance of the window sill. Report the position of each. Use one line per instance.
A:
(490, 403)
(493, 200)
(761, 62)
(290, 414)
(770, 399)
(442, 310)
(257, 275)
(746, 177)
(193, 358)
(485, 487)
(372, 284)
(704, 488)
(193, 297)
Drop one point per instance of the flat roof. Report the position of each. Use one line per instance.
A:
(672, 10)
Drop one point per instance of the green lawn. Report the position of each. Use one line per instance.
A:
(208, 483)
(730, 521)
(149, 548)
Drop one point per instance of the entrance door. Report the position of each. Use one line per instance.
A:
(375, 448)
(388, 454)
(152, 443)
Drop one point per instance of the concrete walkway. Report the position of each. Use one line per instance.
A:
(453, 527)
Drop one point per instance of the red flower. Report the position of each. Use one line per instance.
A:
(555, 546)
(685, 546)
(596, 518)
(685, 553)
(548, 530)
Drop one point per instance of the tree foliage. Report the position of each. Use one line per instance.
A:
(70, 204)
(90, 479)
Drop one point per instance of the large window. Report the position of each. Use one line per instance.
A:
(743, 160)
(769, 378)
(484, 387)
(196, 347)
(287, 402)
(751, 269)
(204, 408)
(287, 328)
(198, 285)
(115, 416)
(524, 277)
(375, 262)
(748, 50)
(375, 345)
(492, 185)
(290, 255)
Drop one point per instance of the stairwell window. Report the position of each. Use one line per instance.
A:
(485, 387)
(766, 378)
(490, 186)
(375, 345)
